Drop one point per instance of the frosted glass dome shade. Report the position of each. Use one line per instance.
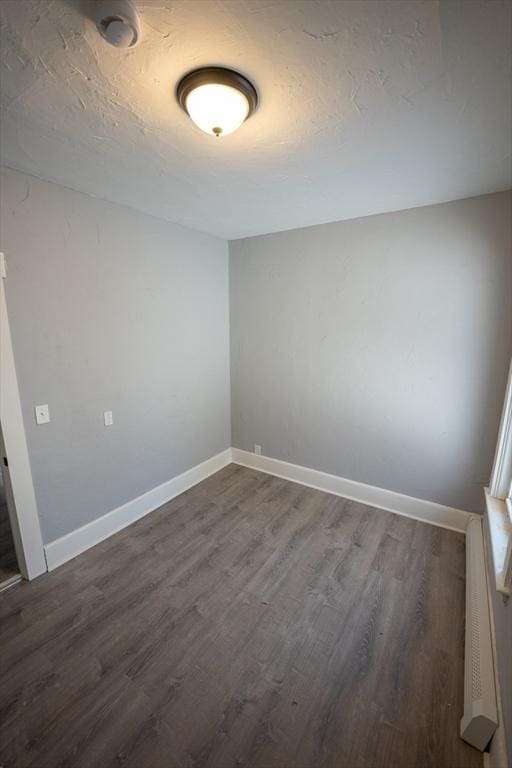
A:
(218, 100)
(217, 109)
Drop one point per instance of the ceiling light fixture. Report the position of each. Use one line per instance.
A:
(217, 99)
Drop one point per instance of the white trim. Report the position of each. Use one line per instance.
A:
(10, 582)
(418, 509)
(72, 544)
(501, 475)
(480, 717)
(498, 506)
(25, 525)
(500, 532)
(497, 756)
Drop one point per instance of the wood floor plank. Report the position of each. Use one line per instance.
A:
(249, 623)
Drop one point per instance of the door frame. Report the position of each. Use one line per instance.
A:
(26, 528)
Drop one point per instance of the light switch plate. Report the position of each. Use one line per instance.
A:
(108, 418)
(42, 414)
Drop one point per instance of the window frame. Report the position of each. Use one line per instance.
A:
(499, 498)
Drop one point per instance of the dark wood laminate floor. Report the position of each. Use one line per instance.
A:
(249, 622)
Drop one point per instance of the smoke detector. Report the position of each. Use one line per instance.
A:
(118, 22)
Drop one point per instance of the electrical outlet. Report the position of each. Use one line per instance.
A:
(42, 414)
(257, 449)
(108, 418)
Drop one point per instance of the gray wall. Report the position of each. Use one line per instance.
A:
(111, 309)
(377, 349)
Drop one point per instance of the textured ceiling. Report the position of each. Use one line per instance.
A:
(365, 107)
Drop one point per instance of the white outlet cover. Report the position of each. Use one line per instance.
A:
(42, 414)
(257, 449)
(108, 418)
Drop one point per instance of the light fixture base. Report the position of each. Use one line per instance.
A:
(118, 22)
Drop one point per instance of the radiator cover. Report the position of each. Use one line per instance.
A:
(480, 714)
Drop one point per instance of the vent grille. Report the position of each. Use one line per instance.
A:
(476, 677)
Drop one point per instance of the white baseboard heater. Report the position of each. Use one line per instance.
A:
(480, 714)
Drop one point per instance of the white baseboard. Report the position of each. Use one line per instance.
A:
(72, 544)
(418, 509)
(497, 757)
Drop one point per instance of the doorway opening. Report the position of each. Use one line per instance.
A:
(9, 569)
(16, 473)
